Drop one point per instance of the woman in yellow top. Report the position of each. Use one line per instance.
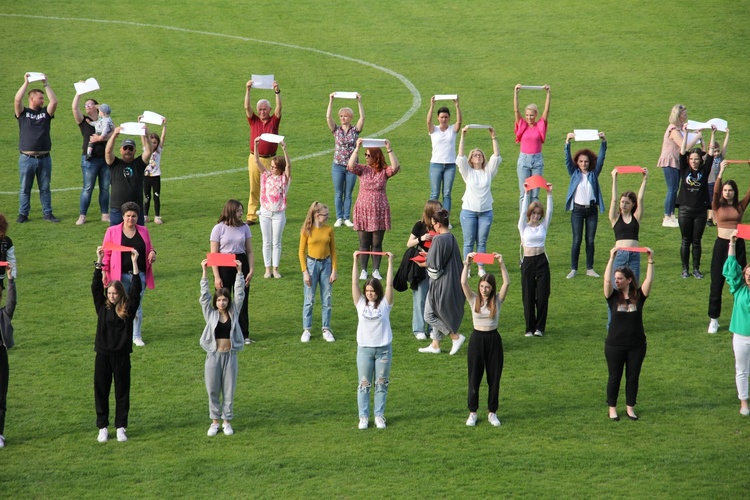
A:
(317, 256)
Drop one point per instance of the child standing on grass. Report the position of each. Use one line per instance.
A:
(152, 174)
(6, 342)
(317, 256)
(374, 337)
(720, 152)
(222, 340)
(7, 251)
(103, 126)
(274, 184)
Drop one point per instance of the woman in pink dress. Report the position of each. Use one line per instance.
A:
(372, 213)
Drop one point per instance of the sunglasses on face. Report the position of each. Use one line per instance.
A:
(128, 148)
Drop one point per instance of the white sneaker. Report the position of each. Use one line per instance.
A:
(105, 217)
(472, 420)
(670, 221)
(538, 333)
(457, 344)
(571, 274)
(363, 423)
(213, 430)
(744, 412)
(348, 223)
(528, 334)
(157, 220)
(328, 336)
(429, 349)
(121, 437)
(492, 418)
(103, 435)
(420, 335)
(138, 341)
(713, 325)
(376, 274)
(338, 223)
(81, 220)
(228, 431)
(145, 218)
(305, 336)
(482, 272)
(2, 441)
(592, 273)
(363, 275)
(380, 422)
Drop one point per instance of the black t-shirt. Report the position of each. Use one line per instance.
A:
(418, 230)
(87, 130)
(626, 326)
(127, 181)
(694, 183)
(33, 130)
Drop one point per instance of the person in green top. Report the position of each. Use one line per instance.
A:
(739, 285)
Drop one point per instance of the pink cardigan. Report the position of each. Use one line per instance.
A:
(113, 267)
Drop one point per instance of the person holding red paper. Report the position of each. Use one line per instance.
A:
(421, 239)
(231, 235)
(6, 342)
(535, 276)
(584, 200)
(117, 265)
(476, 210)
(728, 211)
(739, 285)
(485, 353)
(625, 218)
(530, 134)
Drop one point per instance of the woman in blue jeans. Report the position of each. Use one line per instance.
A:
(443, 159)
(345, 136)
(93, 167)
(476, 210)
(374, 337)
(584, 196)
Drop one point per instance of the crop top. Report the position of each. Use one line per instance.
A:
(625, 231)
(482, 320)
(223, 330)
(534, 236)
(727, 216)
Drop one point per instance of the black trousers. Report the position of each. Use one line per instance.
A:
(692, 224)
(629, 358)
(4, 371)
(149, 184)
(228, 275)
(485, 353)
(105, 368)
(535, 286)
(721, 250)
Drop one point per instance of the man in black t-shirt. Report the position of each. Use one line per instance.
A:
(126, 175)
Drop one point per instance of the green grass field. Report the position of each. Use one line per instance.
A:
(615, 66)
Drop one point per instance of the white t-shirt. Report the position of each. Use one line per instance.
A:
(443, 145)
(374, 326)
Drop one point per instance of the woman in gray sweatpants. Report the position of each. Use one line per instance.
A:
(222, 340)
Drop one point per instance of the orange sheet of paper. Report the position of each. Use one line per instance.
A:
(634, 249)
(221, 260)
(372, 253)
(737, 161)
(114, 247)
(419, 258)
(535, 181)
(484, 258)
(743, 231)
(629, 170)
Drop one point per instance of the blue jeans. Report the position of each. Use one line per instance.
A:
(527, 166)
(577, 217)
(138, 320)
(373, 365)
(93, 169)
(115, 217)
(442, 176)
(320, 274)
(343, 185)
(28, 168)
(672, 177)
(419, 296)
(476, 228)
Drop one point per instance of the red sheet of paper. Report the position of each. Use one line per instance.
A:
(629, 170)
(221, 260)
(428, 244)
(484, 258)
(3, 263)
(419, 258)
(634, 249)
(535, 181)
(737, 161)
(373, 253)
(114, 247)
(743, 231)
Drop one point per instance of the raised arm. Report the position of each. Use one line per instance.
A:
(683, 146)
(109, 155)
(248, 105)
(392, 156)
(646, 285)
(726, 143)
(506, 277)
(356, 293)
(250, 261)
(51, 98)
(495, 144)
(548, 212)
(147, 150)
(641, 193)
(522, 216)
(256, 155)
(277, 91)
(516, 90)
(608, 288)
(389, 280)
(459, 117)
(429, 115)
(18, 99)
(355, 154)
(163, 132)
(361, 121)
(468, 293)
(329, 111)
(288, 170)
(569, 165)
(602, 154)
(545, 115)
(615, 199)
(75, 107)
(461, 141)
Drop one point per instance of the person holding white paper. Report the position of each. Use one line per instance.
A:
(372, 212)
(584, 196)
(476, 210)
(531, 133)
(93, 166)
(443, 160)
(345, 136)
(34, 145)
(103, 126)
(262, 122)
(152, 174)
(126, 175)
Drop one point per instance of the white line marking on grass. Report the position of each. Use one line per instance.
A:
(416, 101)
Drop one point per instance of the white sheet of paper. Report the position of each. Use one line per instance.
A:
(271, 138)
(721, 125)
(35, 76)
(691, 137)
(532, 87)
(262, 81)
(152, 118)
(474, 125)
(446, 97)
(585, 134)
(345, 95)
(132, 128)
(373, 143)
(88, 86)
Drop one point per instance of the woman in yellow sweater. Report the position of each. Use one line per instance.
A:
(317, 257)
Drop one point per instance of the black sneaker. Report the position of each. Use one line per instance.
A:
(22, 218)
(697, 274)
(685, 274)
(51, 218)
(709, 223)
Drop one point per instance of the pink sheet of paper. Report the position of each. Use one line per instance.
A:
(114, 247)
(634, 249)
(221, 260)
(484, 258)
(743, 231)
(629, 170)
(3, 263)
(419, 258)
(535, 181)
(373, 253)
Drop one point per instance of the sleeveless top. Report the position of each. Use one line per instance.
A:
(626, 231)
